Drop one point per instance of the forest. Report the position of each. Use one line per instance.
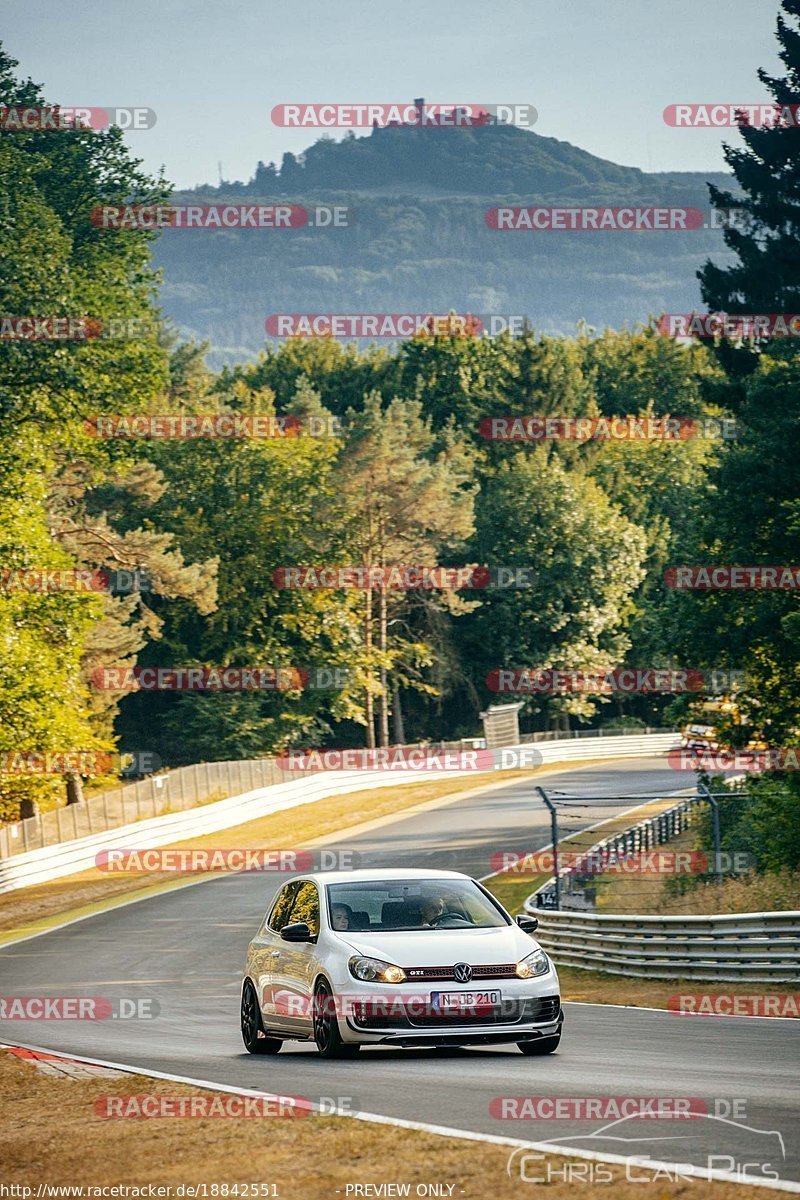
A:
(377, 456)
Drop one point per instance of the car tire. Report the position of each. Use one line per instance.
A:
(326, 1028)
(255, 1041)
(545, 1045)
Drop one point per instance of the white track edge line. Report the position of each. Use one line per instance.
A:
(597, 825)
(670, 1013)
(709, 1173)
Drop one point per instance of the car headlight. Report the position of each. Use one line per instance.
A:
(374, 970)
(533, 964)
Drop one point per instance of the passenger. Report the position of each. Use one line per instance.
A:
(340, 916)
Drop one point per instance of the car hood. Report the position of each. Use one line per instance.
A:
(444, 947)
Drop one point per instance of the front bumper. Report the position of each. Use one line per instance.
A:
(410, 1019)
(470, 1037)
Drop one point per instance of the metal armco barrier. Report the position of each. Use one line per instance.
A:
(632, 745)
(555, 735)
(735, 948)
(68, 857)
(185, 787)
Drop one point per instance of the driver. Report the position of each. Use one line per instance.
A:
(432, 910)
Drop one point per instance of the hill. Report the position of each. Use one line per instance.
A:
(417, 239)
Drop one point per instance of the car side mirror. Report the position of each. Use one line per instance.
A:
(527, 924)
(297, 932)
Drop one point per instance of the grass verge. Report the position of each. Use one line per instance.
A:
(513, 887)
(600, 987)
(682, 895)
(57, 1138)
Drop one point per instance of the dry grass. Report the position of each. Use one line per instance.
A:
(55, 1137)
(512, 888)
(778, 892)
(641, 893)
(656, 894)
(652, 894)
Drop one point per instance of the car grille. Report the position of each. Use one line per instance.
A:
(536, 1009)
(496, 971)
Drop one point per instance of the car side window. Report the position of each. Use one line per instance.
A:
(279, 913)
(306, 907)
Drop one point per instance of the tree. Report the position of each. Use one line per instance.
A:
(44, 703)
(340, 374)
(752, 517)
(587, 560)
(410, 497)
(661, 485)
(766, 278)
(56, 263)
(291, 174)
(753, 512)
(259, 504)
(265, 181)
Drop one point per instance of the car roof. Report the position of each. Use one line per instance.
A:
(379, 875)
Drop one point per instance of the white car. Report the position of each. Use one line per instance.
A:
(401, 957)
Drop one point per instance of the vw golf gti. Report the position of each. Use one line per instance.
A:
(398, 957)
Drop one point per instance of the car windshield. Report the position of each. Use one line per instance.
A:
(382, 906)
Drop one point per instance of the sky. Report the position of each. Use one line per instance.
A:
(599, 72)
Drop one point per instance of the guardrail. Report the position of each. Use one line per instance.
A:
(554, 735)
(178, 791)
(627, 745)
(66, 858)
(184, 788)
(737, 947)
(54, 862)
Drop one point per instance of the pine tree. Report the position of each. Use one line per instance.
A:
(410, 496)
(265, 180)
(766, 279)
(753, 511)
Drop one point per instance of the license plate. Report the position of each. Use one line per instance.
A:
(456, 1002)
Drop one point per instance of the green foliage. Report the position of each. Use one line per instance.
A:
(407, 478)
(752, 517)
(587, 560)
(766, 277)
(43, 703)
(758, 818)
(56, 263)
(753, 512)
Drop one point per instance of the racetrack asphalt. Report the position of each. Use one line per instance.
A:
(185, 949)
